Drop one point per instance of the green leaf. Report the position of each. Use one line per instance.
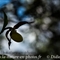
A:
(5, 22)
(16, 36)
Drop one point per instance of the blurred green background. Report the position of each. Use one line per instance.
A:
(39, 38)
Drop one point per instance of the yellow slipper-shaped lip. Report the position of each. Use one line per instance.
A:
(16, 36)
